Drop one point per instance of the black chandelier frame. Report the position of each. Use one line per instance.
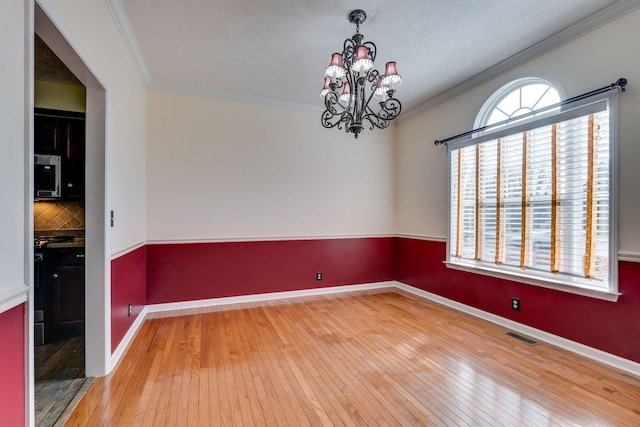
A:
(352, 115)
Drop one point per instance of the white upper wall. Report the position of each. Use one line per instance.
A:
(221, 169)
(586, 63)
(12, 143)
(92, 32)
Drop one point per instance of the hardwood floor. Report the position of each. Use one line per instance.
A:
(59, 379)
(368, 358)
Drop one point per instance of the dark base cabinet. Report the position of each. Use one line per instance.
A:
(38, 298)
(65, 293)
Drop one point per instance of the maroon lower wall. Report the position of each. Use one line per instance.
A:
(613, 327)
(193, 271)
(12, 368)
(128, 285)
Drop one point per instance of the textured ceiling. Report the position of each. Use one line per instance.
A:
(278, 49)
(49, 68)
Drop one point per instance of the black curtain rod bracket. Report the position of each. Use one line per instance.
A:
(621, 84)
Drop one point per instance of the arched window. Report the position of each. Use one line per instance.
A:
(531, 198)
(516, 98)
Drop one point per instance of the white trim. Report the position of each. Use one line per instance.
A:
(233, 96)
(498, 95)
(214, 302)
(29, 359)
(52, 29)
(12, 297)
(561, 282)
(127, 339)
(128, 250)
(420, 237)
(263, 239)
(629, 256)
(124, 25)
(593, 104)
(566, 344)
(582, 27)
(528, 279)
(529, 75)
(622, 256)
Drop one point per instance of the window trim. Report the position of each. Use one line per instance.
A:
(497, 95)
(530, 277)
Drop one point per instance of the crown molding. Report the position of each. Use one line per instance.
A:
(124, 25)
(232, 96)
(576, 30)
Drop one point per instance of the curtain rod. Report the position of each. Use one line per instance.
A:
(621, 84)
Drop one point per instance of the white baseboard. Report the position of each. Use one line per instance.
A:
(575, 347)
(213, 302)
(126, 340)
(572, 346)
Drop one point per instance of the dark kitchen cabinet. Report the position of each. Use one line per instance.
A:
(48, 134)
(62, 133)
(73, 161)
(65, 293)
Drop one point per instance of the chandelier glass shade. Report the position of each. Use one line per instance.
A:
(351, 82)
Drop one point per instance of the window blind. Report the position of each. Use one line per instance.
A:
(536, 197)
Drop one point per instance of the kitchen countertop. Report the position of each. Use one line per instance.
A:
(76, 243)
(58, 239)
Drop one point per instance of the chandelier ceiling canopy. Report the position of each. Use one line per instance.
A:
(351, 82)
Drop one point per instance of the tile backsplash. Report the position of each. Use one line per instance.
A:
(62, 215)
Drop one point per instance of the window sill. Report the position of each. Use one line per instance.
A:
(522, 278)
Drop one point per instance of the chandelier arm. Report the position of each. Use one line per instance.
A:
(351, 81)
(327, 119)
(330, 101)
(390, 109)
(349, 53)
(330, 120)
(347, 120)
(373, 77)
(371, 47)
(333, 116)
(375, 120)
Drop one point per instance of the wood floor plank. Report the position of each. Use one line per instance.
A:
(366, 358)
(285, 404)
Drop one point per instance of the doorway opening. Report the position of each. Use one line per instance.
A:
(75, 322)
(59, 226)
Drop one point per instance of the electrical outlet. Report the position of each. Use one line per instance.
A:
(130, 310)
(515, 304)
(318, 276)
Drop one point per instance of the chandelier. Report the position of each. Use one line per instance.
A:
(351, 81)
